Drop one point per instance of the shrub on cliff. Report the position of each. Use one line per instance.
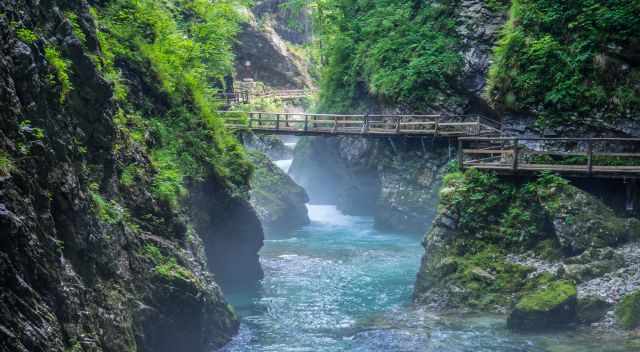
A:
(569, 60)
(184, 47)
(396, 50)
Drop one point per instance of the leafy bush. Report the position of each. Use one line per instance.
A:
(501, 212)
(395, 50)
(568, 61)
(61, 68)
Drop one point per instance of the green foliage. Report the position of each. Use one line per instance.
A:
(26, 35)
(547, 297)
(185, 48)
(499, 212)
(6, 164)
(61, 67)
(628, 311)
(395, 50)
(167, 267)
(568, 61)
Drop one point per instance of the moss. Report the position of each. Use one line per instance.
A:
(488, 279)
(628, 311)
(6, 163)
(61, 67)
(547, 297)
(26, 35)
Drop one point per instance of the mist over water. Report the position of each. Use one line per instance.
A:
(340, 285)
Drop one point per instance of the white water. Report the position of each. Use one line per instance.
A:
(284, 165)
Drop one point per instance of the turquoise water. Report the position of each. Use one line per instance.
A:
(340, 285)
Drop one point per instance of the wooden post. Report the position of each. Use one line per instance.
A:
(515, 155)
(250, 119)
(435, 126)
(335, 124)
(286, 120)
(398, 119)
(277, 122)
(590, 156)
(260, 119)
(306, 122)
(460, 155)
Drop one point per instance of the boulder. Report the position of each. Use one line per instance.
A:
(592, 309)
(581, 221)
(628, 311)
(550, 306)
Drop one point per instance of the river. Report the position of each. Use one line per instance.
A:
(340, 285)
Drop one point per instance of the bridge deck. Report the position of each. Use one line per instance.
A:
(590, 157)
(373, 125)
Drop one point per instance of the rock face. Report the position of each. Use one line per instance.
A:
(89, 261)
(396, 181)
(263, 55)
(279, 202)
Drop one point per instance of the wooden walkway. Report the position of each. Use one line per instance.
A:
(589, 157)
(246, 96)
(372, 125)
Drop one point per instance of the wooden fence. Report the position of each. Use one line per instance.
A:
(586, 157)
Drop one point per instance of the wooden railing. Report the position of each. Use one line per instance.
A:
(414, 125)
(246, 96)
(598, 157)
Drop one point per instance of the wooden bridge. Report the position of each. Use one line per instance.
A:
(480, 144)
(246, 96)
(372, 125)
(588, 157)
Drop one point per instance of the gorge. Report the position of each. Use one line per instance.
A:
(133, 218)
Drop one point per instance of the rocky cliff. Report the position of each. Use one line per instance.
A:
(265, 49)
(108, 240)
(394, 180)
(546, 252)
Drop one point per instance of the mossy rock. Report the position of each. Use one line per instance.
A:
(628, 311)
(592, 309)
(551, 306)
